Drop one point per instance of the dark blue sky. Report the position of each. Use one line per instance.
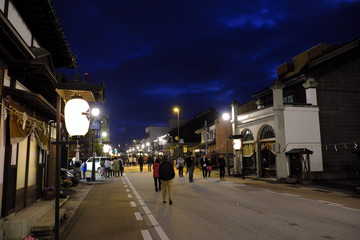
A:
(153, 55)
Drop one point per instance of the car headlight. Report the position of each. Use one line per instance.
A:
(69, 174)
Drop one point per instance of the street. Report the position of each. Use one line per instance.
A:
(209, 208)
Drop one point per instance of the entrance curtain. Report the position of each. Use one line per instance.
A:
(21, 126)
(267, 145)
(248, 150)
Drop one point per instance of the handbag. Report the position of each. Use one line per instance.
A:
(209, 168)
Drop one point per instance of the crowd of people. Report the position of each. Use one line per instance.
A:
(162, 168)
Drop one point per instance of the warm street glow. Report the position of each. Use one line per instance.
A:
(95, 112)
(226, 116)
(176, 109)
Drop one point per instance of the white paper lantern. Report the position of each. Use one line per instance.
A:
(77, 117)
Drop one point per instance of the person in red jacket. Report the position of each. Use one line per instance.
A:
(156, 176)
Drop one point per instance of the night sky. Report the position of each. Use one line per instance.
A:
(196, 54)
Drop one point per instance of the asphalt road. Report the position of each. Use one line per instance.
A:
(214, 209)
(129, 208)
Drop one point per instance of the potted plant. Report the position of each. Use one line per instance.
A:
(48, 193)
(64, 186)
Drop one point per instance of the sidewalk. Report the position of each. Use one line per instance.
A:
(339, 192)
(114, 219)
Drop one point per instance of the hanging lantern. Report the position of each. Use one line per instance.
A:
(77, 116)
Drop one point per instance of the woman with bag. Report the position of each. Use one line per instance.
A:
(208, 166)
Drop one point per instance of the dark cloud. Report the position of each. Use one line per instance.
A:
(153, 55)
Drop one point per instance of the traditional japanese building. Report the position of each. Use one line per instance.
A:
(306, 124)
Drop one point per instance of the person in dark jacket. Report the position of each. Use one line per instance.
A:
(166, 174)
(141, 162)
(190, 164)
(222, 165)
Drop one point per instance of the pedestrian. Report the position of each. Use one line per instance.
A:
(190, 167)
(180, 166)
(166, 174)
(116, 167)
(102, 167)
(203, 165)
(208, 166)
(84, 169)
(77, 168)
(107, 167)
(121, 166)
(141, 162)
(157, 181)
(150, 162)
(222, 165)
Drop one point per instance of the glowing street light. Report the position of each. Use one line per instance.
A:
(226, 117)
(177, 110)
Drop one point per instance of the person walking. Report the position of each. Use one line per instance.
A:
(203, 165)
(180, 165)
(121, 166)
(150, 162)
(166, 174)
(107, 167)
(208, 166)
(222, 165)
(116, 167)
(141, 162)
(102, 168)
(190, 163)
(84, 169)
(156, 176)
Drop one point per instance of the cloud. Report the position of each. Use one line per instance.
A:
(258, 19)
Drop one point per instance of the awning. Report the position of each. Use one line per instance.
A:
(299, 151)
(33, 100)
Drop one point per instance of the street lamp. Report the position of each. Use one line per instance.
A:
(226, 117)
(177, 110)
(95, 112)
(237, 141)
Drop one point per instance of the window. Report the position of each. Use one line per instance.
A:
(289, 99)
(267, 132)
(248, 135)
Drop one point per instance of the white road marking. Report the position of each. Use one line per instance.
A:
(133, 204)
(138, 216)
(151, 217)
(146, 234)
(130, 196)
(127, 190)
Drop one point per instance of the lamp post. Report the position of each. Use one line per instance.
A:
(177, 110)
(226, 117)
(77, 124)
(95, 112)
(237, 141)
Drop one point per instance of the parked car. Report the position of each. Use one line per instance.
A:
(89, 163)
(70, 175)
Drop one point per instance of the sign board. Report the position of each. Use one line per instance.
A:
(95, 124)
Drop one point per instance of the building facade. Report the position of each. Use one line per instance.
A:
(311, 106)
(32, 46)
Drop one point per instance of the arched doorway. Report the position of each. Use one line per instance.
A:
(248, 153)
(267, 155)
